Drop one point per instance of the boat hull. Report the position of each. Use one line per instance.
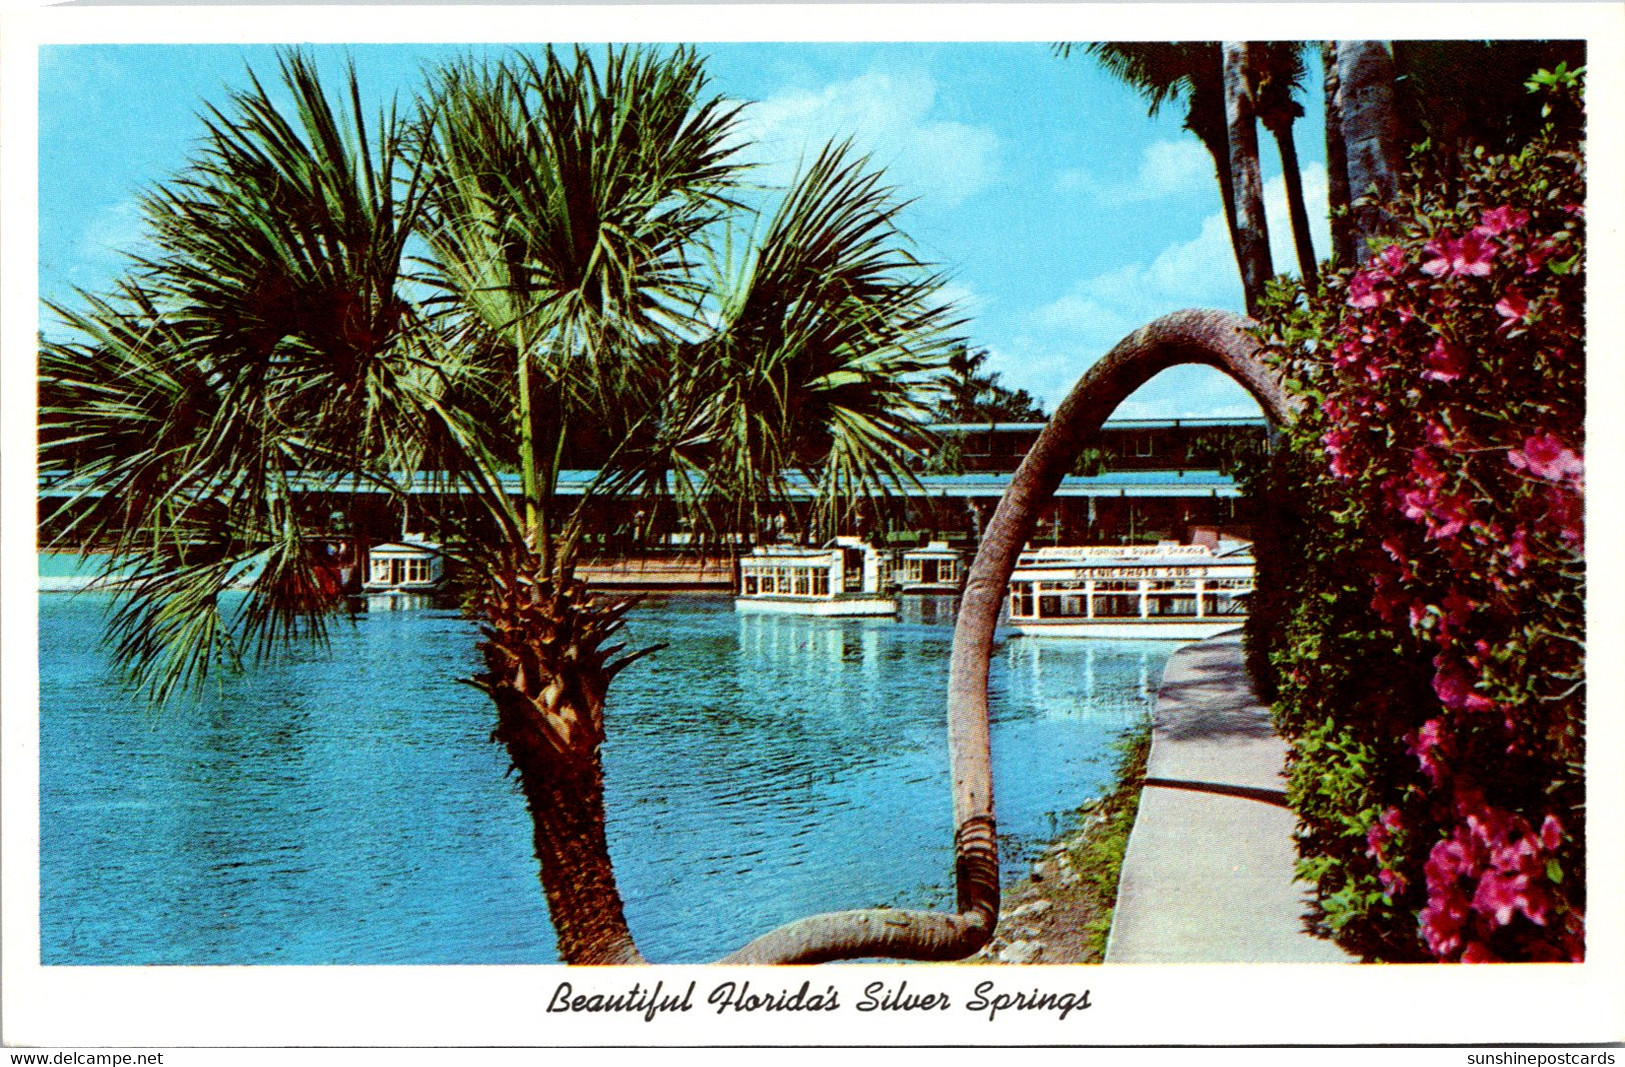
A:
(853, 606)
(1130, 629)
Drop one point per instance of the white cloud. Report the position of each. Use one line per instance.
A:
(888, 116)
(1167, 168)
(1066, 336)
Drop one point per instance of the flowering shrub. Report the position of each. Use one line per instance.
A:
(1422, 612)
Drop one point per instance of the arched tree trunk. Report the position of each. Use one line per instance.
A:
(1337, 161)
(1370, 125)
(1215, 338)
(547, 670)
(1252, 231)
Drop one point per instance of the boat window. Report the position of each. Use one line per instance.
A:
(1021, 599)
(1170, 605)
(803, 581)
(820, 582)
(852, 562)
(1117, 600)
(750, 584)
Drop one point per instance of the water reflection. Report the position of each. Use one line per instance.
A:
(347, 807)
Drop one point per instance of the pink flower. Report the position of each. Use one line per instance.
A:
(1544, 456)
(1513, 307)
(1471, 255)
(1438, 436)
(1448, 516)
(1391, 259)
(1454, 685)
(1436, 257)
(1428, 745)
(1366, 290)
(1445, 363)
(1478, 952)
(1336, 443)
(1517, 547)
(1425, 470)
(1501, 894)
(1551, 833)
(1499, 220)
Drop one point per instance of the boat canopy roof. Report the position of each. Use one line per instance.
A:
(1163, 554)
(406, 548)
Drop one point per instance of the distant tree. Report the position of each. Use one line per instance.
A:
(970, 394)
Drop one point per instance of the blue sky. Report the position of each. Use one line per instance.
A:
(1064, 215)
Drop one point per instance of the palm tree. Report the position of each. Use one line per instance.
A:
(972, 395)
(826, 341)
(1370, 127)
(265, 335)
(1278, 72)
(1188, 71)
(1337, 159)
(1252, 229)
(274, 343)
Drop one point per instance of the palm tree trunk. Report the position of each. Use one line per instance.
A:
(1204, 117)
(1302, 242)
(1252, 231)
(527, 443)
(546, 673)
(1370, 124)
(1337, 161)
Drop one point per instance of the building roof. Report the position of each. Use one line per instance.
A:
(988, 484)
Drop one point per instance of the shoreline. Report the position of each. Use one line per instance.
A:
(1062, 911)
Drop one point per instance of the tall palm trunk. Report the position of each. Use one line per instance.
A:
(1337, 161)
(547, 672)
(1252, 231)
(1280, 127)
(1370, 124)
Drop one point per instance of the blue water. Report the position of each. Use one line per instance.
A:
(346, 806)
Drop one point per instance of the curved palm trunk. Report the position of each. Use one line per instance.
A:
(1370, 124)
(1215, 338)
(1252, 231)
(1337, 161)
(1302, 242)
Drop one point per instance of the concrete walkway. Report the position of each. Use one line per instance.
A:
(1208, 873)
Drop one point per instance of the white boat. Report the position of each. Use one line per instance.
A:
(410, 565)
(845, 577)
(1168, 590)
(936, 568)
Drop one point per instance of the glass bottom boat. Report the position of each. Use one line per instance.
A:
(1168, 590)
(845, 577)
